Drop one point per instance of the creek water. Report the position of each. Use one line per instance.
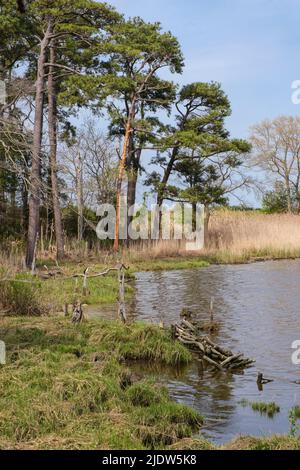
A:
(258, 308)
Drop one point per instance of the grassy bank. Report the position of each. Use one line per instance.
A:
(68, 387)
(275, 442)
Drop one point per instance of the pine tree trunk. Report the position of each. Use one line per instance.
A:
(35, 176)
(163, 186)
(132, 175)
(122, 165)
(52, 131)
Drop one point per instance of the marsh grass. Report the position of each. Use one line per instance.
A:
(141, 342)
(64, 387)
(276, 442)
(269, 409)
(296, 411)
(264, 443)
(239, 236)
(234, 237)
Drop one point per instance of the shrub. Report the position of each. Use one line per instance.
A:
(22, 296)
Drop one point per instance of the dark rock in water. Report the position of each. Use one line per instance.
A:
(262, 380)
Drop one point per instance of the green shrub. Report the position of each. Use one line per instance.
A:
(22, 296)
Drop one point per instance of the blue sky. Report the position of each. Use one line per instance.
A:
(250, 46)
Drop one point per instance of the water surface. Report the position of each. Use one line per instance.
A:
(258, 307)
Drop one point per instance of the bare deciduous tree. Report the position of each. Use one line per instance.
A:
(100, 164)
(276, 149)
(90, 167)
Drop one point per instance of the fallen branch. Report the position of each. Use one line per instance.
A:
(216, 356)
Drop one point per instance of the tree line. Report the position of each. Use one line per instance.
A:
(61, 59)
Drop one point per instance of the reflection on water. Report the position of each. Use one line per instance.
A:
(258, 307)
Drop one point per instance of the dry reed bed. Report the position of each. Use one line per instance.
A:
(234, 237)
(241, 235)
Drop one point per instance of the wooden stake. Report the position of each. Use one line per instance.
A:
(121, 300)
(84, 289)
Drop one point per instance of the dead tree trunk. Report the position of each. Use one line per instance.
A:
(52, 131)
(132, 166)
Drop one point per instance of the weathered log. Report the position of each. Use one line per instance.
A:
(210, 352)
(218, 348)
(231, 359)
(189, 325)
(212, 362)
(242, 364)
(185, 341)
(185, 335)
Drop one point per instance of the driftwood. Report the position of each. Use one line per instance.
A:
(209, 327)
(209, 352)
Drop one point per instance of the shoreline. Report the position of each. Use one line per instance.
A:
(204, 263)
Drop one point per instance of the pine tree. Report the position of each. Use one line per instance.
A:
(139, 51)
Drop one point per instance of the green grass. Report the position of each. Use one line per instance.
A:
(269, 409)
(167, 264)
(103, 290)
(140, 342)
(36, 296)
(296, 411)
(68, 387)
